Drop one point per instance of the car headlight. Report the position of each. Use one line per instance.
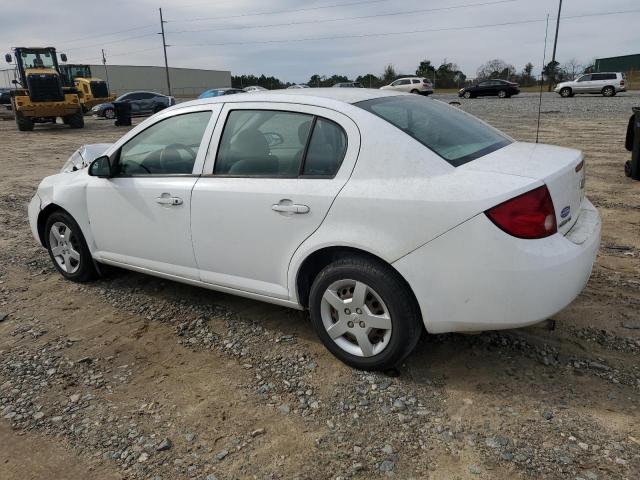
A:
(75, 162)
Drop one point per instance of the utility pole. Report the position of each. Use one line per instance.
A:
(555, 44)
(164, 46)
(106, 72)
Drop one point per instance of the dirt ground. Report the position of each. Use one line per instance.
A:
(137, 377)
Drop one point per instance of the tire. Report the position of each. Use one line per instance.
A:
(468, 95)
(76, 120)
(627, 168)
(385, 294)
(566, 92)
(502, 94)
(608, 92)
(24, 124)
(109, 113)
(415, 91)
(80, 269)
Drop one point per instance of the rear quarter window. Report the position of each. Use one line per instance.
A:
(452, 134)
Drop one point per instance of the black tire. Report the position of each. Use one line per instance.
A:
(24, 124)
(86, 270)
(415, 91)
(394, 293)
(608, 92)
(468, 95)
(502, 94)
(627, 168)
(109, 113)
(566, 92)
(76, 120)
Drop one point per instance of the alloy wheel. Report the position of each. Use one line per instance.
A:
(109, 113)
(356, 318)
(65, 247)
(502, 94)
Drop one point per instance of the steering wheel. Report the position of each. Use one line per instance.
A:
(165, 158)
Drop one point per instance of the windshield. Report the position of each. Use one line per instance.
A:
(454, 135)
(37, 60)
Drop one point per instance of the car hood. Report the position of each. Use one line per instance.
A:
(83, 156)
(102, 106)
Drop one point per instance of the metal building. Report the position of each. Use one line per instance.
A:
(624, 63)
(185, 82)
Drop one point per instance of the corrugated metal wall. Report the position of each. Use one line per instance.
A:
(185, 82)
(624, 63)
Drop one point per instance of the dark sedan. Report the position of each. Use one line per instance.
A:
(142, 103)
(490, 88)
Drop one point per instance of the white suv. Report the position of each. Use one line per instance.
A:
(607, 84)
(411, 85)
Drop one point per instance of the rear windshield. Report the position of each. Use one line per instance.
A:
(455, 136)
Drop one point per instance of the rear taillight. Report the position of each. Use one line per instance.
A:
(622, 83)
(530, 215)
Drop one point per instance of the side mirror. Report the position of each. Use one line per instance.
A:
(8, 58)
(101, 167)
(63, 57)
(14, 81)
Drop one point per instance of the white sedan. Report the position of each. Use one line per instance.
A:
(381, 213)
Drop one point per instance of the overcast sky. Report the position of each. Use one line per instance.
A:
(288, 39)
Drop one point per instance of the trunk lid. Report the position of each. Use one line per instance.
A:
(561, 169)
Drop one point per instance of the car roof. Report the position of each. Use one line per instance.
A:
(317, 96)
(145, 91)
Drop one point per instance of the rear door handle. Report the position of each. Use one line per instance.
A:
(169, 200)
(291, 208)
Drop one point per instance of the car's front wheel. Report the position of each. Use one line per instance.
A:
(68, 249)
(565, 92)
(364, 313)
(468, 95)
(109, 113)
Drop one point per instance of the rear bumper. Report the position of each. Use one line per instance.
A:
(476, 277)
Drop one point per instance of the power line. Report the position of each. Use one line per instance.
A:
(101, 44)
(361, 17)
(406, 32)
(308, 9)
(106, 34)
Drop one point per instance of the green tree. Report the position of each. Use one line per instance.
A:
(370, 81)
(389, 74)
(425, 69)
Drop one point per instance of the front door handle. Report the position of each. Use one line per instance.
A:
(290, 208)
(166, 200)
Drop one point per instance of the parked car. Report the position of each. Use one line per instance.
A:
(219, 92)
(254, 88)
(606, 84)
(488, 88)
(142, 103)
(348, 85)
(411, 85)
(299, 85)
(301, 199)
(6, 110)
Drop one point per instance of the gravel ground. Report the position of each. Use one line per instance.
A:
(140, 378)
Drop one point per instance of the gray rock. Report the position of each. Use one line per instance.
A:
(3, 316)
(399, 405)
(388, 449)
(589, 475)
(474, 470)
(190, 437)
(164, 445)
(547, 415)
(221, 455)
(211, 477)
(284, 408)
(357, 467)
(387, 466)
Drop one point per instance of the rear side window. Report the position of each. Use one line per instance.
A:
(457, 137)
(326, 150)
(415, 81)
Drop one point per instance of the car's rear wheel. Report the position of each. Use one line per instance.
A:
(502, 94)
(565, 92)
(68, 249)
(608, 91)
(364, 313)
(109, 113)
(415, 91)
(468, 95)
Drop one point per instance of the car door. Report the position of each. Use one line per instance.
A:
(271, 175)
(583, 84)
(141, 216)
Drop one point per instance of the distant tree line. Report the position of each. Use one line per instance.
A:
(446, 75)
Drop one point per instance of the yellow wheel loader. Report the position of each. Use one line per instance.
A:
(40, 96)
(92, 91)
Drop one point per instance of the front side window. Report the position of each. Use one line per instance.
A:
(165, 148)
(263, 143)
(585, 78)
(454, 135)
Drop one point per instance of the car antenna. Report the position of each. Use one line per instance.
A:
(544, 59)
